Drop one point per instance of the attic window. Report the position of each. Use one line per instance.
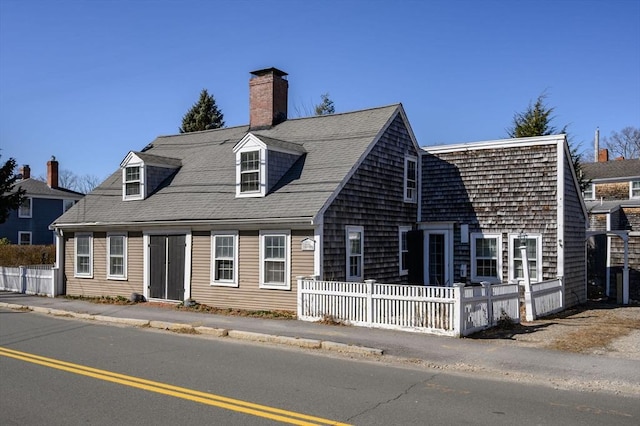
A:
(249, 171)
(133, 181)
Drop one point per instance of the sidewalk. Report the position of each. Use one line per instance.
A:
(484, 357)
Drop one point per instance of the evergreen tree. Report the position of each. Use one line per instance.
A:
(326, 106)
(9, 200)
(203, 115)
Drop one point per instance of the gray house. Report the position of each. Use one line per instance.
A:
(230, 217)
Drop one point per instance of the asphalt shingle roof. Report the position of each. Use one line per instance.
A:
(612, 169)
(203, 188)
(40, 189)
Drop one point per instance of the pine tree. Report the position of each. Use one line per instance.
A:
(326, 106)
(9, 199)
(203, 115)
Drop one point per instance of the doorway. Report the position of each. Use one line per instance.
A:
(167, 267)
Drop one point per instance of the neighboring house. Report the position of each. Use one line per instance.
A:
(613, 202)
(44, 202)
(230, 217)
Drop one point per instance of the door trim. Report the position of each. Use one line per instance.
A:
(439, 228)
(187, 259)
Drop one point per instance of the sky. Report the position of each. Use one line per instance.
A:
(89, 81)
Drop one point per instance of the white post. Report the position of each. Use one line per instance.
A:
(458, 309)
(299, 297)
(528, 299)
(487, 291)
(369, 285)
(23, 279)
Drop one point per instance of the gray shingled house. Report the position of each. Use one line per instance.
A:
(230, 217)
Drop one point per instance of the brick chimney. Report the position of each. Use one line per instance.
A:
(52, 173)
(603, 155)
(267, 98)
(25, 171)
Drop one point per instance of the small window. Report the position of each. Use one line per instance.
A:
(486, 257)
(133, 183)
(117, 256)
(410, 179)
(588, 193)
(403, 249)
(84, 255)
(275, 269)
(25, 210)
(250, 171)
(224, 262)
(533, 243)
(635, 189)
(355, 252)
(24, 238)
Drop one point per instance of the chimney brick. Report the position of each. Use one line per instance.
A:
(52, 173)
(268, 98)
(603, 155)
(25, 171)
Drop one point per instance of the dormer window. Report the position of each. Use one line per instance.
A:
(132, 182)
(143, 173)
(250, 171)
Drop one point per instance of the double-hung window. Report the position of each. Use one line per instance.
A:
(403, 249)
(24, 238)
(410, 179)
(589, 193)
(275, 264)
(533, 244)
(117, 256)
(25, 209)
(224, 262)
(250, 171)
(486, 257)
(355, 252)
(84, 255)
(133, 183)
(634, 189)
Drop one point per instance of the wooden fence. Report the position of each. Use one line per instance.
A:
(450, 311)
(37, 279)
(543, 298)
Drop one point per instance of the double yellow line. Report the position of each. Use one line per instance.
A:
(258, 410)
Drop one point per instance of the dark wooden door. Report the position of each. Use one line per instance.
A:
(166, 266)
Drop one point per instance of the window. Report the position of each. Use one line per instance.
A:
(133, 182)
(410, 179)
(403, 249)
(250, 171)
(84, 255)
(486, 257)
(588, 193)
(634, 189)
(117, 256)
(275, 260)
(534, 256)
(224, 249)
(355, 252)
(24, 238)
(25, 209)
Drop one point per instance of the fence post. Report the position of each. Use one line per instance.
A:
(529, 304)
(487, 290)
(458, 309)
(561, 279)
(23, 279)
(369, 285)
(299, 297)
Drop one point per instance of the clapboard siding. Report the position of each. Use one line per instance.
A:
(374, 199)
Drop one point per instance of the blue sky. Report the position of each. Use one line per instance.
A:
(88, 81)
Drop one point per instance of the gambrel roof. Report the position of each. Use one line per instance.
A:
(203, 189)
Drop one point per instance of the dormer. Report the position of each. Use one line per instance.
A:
(261, 162)
(143, 173)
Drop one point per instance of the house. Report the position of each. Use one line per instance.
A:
(230, 217)
(481, 201)
(44, 202)
(613, 203)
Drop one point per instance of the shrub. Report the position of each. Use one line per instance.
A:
(16, 255)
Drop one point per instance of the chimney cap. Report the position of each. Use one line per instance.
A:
(271, 70)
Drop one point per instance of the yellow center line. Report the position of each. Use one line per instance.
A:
(245, 407)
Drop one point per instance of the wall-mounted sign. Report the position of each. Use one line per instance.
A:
(308, 244)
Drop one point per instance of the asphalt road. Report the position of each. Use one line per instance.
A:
(58, 371)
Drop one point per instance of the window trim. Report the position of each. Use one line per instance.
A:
(21, 233)
(592, 187)
(75, 255)
(631, 189)
(512, 269)
(287, 259)
(402, 230)
(224, 283)
(348, 230)
(140, 181)
(262, 171)
(474, 273)
(110, 276)
(29, 214)
(414, 198)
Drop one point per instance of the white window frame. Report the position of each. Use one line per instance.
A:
(140, 181)
(591, 193)
(262, 171)
(636, 189)
(537, 260)
(410, 197)
(21, 234)
(474, 272)
(24, 211)
(215, 235)
(88, 274)
(122, 276)
(402, 231)
(348, 230)
(286, 285)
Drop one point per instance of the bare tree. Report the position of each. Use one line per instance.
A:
(625, 144)
(69, 180)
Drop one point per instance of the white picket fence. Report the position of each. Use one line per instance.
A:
(35, 279)
(450, 311)
(544, 298)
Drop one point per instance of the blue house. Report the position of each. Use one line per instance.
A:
(44, 202)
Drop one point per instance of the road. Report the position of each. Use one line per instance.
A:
(59, 371)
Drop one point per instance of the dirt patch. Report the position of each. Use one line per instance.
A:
(593, 328)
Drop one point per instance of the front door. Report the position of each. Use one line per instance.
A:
(166, 266)
(437, 260)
